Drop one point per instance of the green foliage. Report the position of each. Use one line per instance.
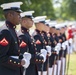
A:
(41, 7)
(69, 9)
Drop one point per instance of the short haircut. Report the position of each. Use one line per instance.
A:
(7, 12)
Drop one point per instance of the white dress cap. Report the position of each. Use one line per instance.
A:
(39, 19)
(27, 13)
(47, 21)
(52, 24)
(11, 6)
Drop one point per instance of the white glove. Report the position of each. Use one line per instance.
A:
(27, 63)
(57, 49)
(44, 58)
(26, 58)
(48, 49)
(63, 46)
(70, 40)
(66, 43)
(43, 54)
(59, 44)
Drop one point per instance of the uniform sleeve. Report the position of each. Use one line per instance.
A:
(39, 40)
(23, 44)
(36, 58)
(39, 46)
(25, 48)
(5, 57)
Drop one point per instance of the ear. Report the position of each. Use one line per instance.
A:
(10, 15)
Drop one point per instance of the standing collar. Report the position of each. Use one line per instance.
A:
(23, 29)
(10, 25)
(44, 32)
(38, 31)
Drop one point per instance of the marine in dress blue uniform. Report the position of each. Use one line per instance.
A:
(27, 41)
(40, 27)
(9, 46)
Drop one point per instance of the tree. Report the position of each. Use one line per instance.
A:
(41, 7)
(69, 9)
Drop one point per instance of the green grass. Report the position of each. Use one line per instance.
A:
(72, 64)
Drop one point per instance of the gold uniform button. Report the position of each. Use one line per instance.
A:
(35, 48)
(39, 60)
(15, 42)
(42, 60)
(10, 60)
(32, 43)
(27, 30)
(19, 40)
(18, 50)
(14, 62)
(18, 63)
(14, 27)
(22, 30)
(36, 59)
(36, 52)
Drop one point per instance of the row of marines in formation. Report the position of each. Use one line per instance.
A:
(42, 53)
